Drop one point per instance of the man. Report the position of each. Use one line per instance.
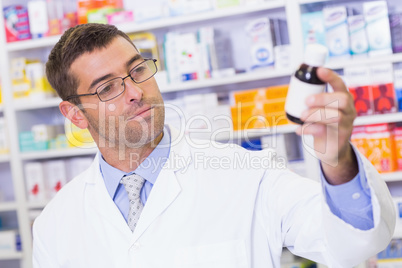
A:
(148, 200)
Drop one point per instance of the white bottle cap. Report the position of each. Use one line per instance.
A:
(315, 55)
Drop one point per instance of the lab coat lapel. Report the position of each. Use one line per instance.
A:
(99, 204)
(166, 188)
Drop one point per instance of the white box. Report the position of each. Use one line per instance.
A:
(381, 73)
(261, 43)
(336, 31)
(357, 76)
(56, 176)
(378, 31)
(8, 242)
(3, 136)
(357, 35)
(34, 178)
(44, 132)
(38, 19)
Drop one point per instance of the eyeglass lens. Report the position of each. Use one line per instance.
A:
(115, 87)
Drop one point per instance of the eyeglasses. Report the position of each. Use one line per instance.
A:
(116, 86)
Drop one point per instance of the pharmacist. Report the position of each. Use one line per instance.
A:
(164, 209)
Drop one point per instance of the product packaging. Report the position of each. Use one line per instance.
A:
(398, 85)
(336, 31)
(357, 36)
(261, 43)
(4, 145)
(359, 84)
(55, 174)
(378, 32)
(313, 28)
(384, 99)
(381, 148)
(9, 240)
(38, 18)
(16, 23)
(395, 23)
(398, 144)
(35, 183)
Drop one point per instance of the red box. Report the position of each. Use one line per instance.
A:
(363, 100)
(384, 98)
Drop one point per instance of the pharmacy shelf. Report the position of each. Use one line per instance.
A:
(378, 119)
(58, 153)
(37, 204)
(214, 82)
(392, 176)
(4, 158)
(254, 133)
(8, 206)
(157, 24)
(32, 105)
(11, 256)
(1, 108)
(302, 2)
(340, 64)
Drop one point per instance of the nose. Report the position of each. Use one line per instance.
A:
(133, 92)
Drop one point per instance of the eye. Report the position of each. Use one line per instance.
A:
(108, 88)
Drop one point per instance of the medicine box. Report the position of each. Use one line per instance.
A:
(261, 43)
(398, 146)
(35, 184)
(8, 242)
(377, 28)
(16, 23)
(398, 86)
(55, 174)
(313, 28)
(336, 31)
(358, 80)
(381, 148)
(384, 99)
(395, 21)
(357, 36)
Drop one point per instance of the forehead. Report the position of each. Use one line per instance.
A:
(103, 61)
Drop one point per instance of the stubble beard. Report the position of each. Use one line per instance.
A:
(116, 132)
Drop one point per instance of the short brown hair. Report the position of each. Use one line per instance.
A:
(76, 41)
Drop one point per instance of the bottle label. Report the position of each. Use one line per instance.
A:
(297, 94)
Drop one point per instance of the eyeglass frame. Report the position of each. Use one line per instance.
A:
(124, 84)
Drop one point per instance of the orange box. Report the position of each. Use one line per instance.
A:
(247, 110)
(381, 148)
(246, 96)
(267, 121)
(277, 92)
(398, 146)
(359, 139)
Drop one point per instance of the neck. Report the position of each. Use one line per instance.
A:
(128, 159)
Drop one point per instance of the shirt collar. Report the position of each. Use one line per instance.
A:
(149, 169)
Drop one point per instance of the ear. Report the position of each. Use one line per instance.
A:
(74, 114)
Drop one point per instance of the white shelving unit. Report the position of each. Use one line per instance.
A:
(4, 158)
(8, 206)
(11, 108)
(392, 176)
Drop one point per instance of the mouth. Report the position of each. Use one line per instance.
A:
(142, 113)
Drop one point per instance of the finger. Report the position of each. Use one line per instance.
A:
(336, 100)
(314, 129)
(331, 77)
(327, 116)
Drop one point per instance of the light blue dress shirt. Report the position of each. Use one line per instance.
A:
(149, 169)
(350, 201)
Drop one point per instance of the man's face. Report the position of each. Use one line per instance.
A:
(134, 118)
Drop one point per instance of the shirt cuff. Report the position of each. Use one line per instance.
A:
(351, 201)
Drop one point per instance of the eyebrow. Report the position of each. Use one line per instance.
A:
(107, 76)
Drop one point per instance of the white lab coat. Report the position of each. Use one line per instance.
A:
(201, 215)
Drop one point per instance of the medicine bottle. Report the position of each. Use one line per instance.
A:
(305, 82)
